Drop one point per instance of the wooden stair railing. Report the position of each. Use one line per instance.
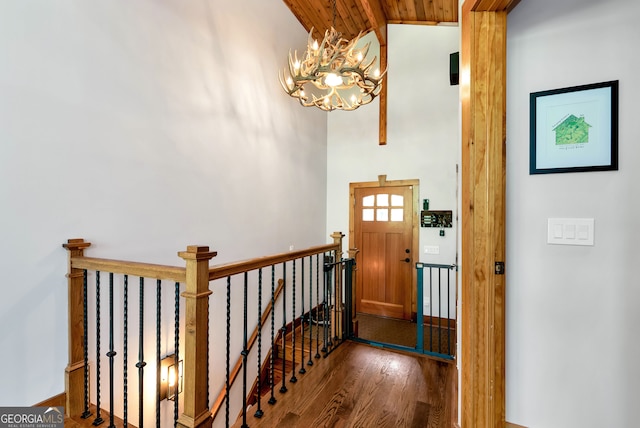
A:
(196, 277)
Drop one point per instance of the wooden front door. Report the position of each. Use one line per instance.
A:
(383, 229)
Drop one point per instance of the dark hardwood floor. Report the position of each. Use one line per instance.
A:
(363, 386)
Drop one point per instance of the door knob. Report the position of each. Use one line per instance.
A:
(407, 251)
(407, 260)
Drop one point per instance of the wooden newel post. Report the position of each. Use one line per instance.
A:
(74, 373)
(337, 317)
(196, 411)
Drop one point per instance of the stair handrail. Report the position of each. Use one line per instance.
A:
(234, 268)
(196, 275)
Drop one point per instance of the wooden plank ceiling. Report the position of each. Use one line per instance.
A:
(354, 16)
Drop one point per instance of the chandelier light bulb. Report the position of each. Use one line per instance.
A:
(333, 80)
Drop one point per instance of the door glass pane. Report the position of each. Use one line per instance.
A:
(367, 214)
(382, 214)
(383, 200)
(367, 201)
(397, 214)
(397, 200)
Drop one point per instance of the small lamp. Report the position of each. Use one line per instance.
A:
(171, 378)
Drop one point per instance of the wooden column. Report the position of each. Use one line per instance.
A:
(382, 125)
(196, 356)
(483, 215)
(336, 316)
(74, 373)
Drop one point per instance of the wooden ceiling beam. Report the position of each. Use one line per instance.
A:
(493, 5)
(377, 18)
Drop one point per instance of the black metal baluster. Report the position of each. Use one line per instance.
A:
(293, 379)
(244, 352)
(111, 354)
(228, 355)
(158, 359)
(310, 362)
(98, 419)
(334, 300)
(283, 388)
(317, 306)
(272, 383)
(125, 392)
(141, 364)
(348, 287)
(176, 336)
(325, 308)
(85, 340)
(302, 369)
(259, 412)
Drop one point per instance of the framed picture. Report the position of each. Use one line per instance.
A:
(574, 129)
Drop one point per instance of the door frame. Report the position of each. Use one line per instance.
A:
(483, 287)
(415, 215)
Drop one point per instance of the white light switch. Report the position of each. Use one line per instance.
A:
(570, 231)
(583, 232)
(557, 231)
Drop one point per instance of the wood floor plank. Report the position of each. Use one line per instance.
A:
(365, 386)
(421, 415)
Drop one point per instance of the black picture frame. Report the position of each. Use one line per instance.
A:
(574, 129)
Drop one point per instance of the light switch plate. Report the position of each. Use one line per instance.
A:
(431, 249)
(570, 231)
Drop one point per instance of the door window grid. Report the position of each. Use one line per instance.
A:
(384, 206)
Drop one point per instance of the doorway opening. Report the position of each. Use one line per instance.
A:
(392, 286)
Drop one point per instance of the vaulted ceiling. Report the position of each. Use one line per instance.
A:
(354, 16)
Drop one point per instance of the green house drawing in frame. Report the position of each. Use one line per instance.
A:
(572, 130)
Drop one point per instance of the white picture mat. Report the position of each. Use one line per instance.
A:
(595, 106)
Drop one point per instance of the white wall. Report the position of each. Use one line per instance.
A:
(423, 133)
(142, 127)
(572, 312)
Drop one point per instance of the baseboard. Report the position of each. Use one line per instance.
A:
(55, 401)
(436, 321)
(506, 425)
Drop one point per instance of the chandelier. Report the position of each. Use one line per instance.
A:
(332, 75)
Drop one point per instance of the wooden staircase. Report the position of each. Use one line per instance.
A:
(284, 356)
(78, 422)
